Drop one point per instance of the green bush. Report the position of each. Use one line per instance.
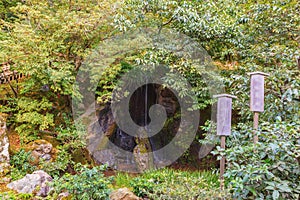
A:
(33, 116)
(20, 163)
(267, 170)
(175, 184)
(12, 196)
(71, 139)
(86, 184)
(122, 180)
(62, 161)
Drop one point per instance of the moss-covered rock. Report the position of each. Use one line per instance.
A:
(41, 149)
(143, 152)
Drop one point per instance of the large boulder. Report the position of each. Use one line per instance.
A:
(108, 144)
(123, 194)
(37, 182)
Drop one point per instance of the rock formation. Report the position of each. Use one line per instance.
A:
(41, 149)
(37, 182)
(123, 194)
(4, 145)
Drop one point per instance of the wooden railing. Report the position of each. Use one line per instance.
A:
(7, 75)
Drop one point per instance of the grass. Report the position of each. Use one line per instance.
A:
(173, 184)
(122, 179)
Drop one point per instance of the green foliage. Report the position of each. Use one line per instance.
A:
(141, 186)
(247, 35)
(109, 81)
(13, 196)
(5, 11)
(122, 180)
(32, 117)
(59, 166)
(228, 30)
(281, 93)
(190, 71)
(71, 139)
(268, 170)
(148, 60)
(85, 184)
(47, 41)
(20, 164)
(175, 184)
(71, 136)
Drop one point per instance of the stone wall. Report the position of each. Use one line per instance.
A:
(4, 145)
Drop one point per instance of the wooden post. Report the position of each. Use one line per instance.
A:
(255, 126)
(256, 99)
(223, 126)
(222, 162)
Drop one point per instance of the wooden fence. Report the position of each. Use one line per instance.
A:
(7, 75)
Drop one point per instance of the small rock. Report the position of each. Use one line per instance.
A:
(41, 149)
(46, 157)
(5, 180)
(30, 182)
(63, 195)
(123, 194)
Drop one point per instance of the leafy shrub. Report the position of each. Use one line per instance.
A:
(12, 196)
(122, 180)
(71, 138)
(142, 186)
(70, 135)
(86, 184)
(33, 116)
(60, 164)
(267, 170)
(174, 184)
(20, 163)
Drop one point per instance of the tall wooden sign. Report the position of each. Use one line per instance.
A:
(224, 108)
(257, 98)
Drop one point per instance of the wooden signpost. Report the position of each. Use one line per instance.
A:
(256, 98)
(223, 126)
